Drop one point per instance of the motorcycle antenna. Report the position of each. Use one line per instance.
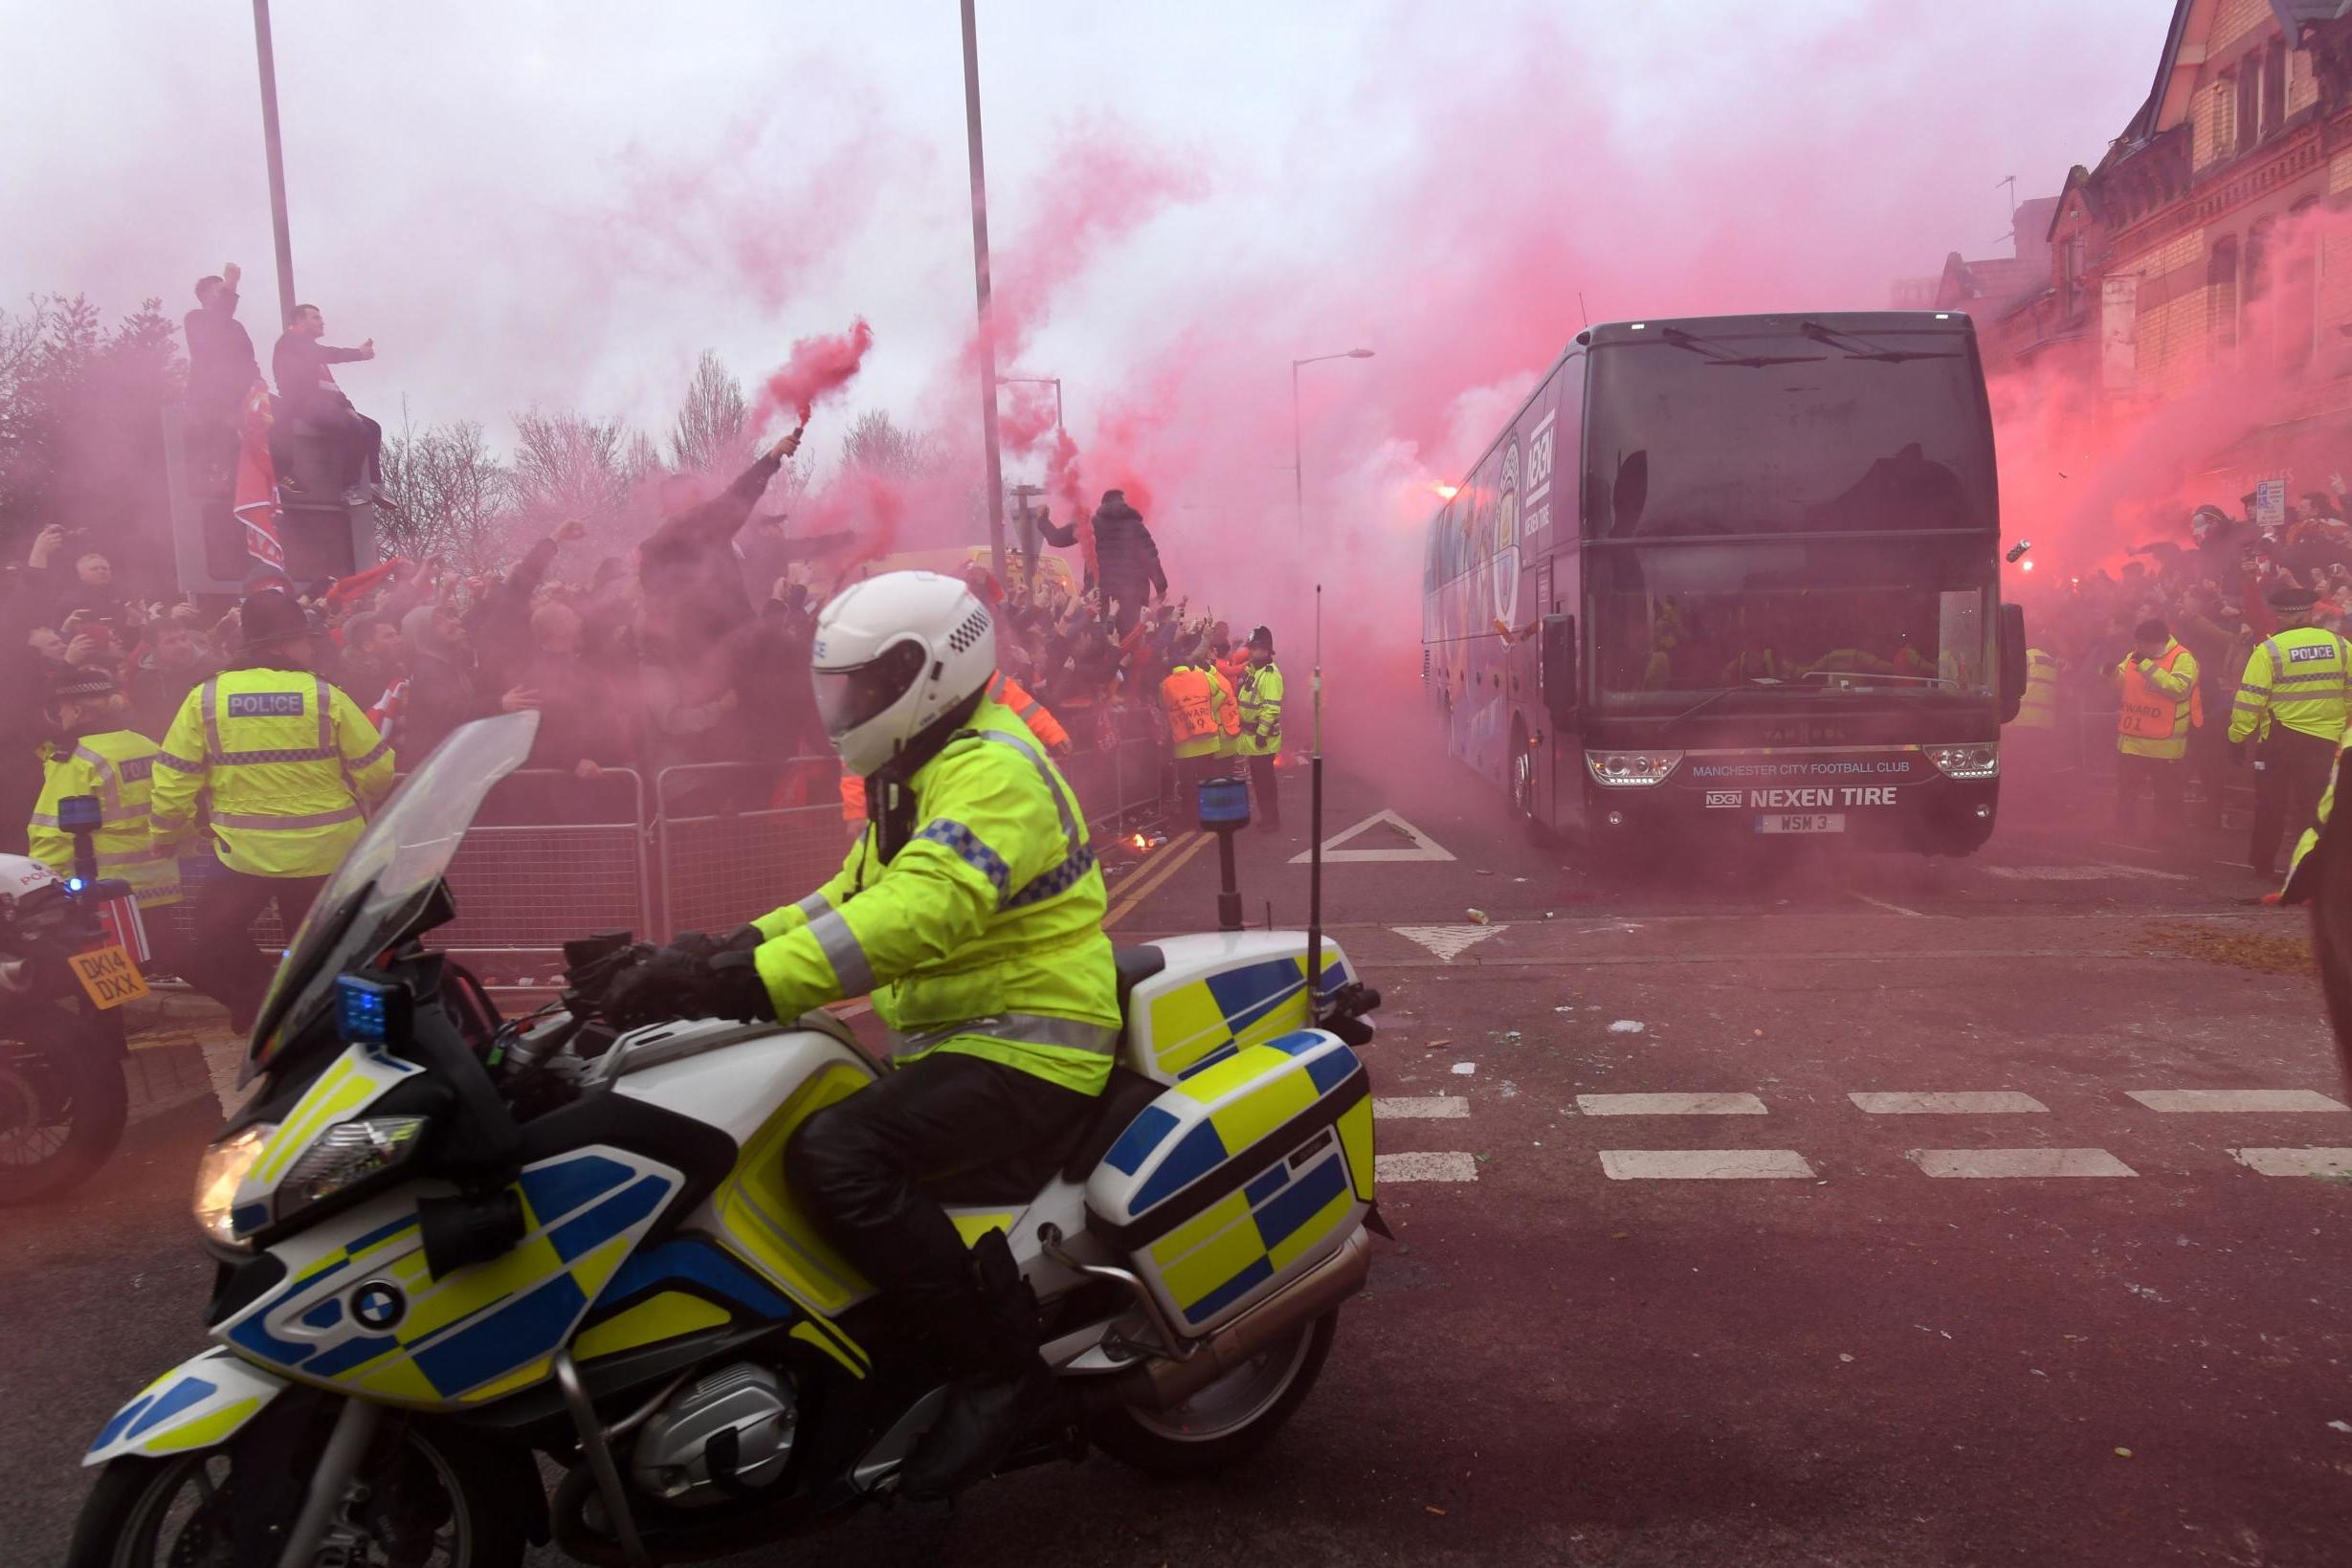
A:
(1315, 828)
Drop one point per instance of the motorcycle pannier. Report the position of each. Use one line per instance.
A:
(1240, 1178)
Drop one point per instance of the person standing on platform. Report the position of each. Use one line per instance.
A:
(1261, 726)
(2292, 705)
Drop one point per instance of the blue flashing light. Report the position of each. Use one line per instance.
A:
(364, 1010)
(74, 884)
(1224, 801)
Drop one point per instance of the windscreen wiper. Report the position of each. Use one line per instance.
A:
(1717, 354)
(1715, 696)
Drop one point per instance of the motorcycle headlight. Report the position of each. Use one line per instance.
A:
(349, 1152)
(1623, 770)
(219, 1174)
(1977, 762)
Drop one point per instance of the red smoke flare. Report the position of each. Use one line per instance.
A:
(817, 368)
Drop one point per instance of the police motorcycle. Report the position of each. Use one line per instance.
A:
(66, 966)
(451, 1243)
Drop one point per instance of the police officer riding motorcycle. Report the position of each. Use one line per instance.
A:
(972, 911)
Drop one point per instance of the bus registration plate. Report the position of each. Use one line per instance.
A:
(1809, 821)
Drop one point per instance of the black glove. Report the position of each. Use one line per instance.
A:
(672, 983)
(702, 945)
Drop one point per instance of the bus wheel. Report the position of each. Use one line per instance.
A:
(1523, 772)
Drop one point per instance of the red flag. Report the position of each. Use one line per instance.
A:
(256, 488)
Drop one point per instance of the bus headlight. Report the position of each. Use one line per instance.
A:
(1977, 762)
(1631, 769)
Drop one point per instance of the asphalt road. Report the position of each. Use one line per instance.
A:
(1664, 1290)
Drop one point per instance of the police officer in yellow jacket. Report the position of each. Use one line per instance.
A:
(287, 766)
(2039, 709)
(90, 753)
(2292, 704)
(1261, 726)
(971, 910)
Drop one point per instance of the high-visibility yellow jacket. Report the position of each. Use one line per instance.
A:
(287, 765)
(1195, 706)
(2299, 677)
(2301, 883)
(2159, 704)
(983, 934)
(1261, 712)
(1229, 715)
(1752, 664)
(2039, 711)
(116, 767)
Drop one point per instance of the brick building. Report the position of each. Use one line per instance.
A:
(2206, 242)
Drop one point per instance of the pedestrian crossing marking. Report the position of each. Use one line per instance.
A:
(1704, 1164)
(2243, 1101)
(2296, 1161)
(1424, 1167)
(2019, 1163)
(1448, 942)
(1987, 1103)
(1670, 1105)
(1421, 1106)
(1425, 847)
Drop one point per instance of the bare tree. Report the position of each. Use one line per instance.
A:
(712, 433)
(567, 465)
(454, 499)
(878, 446)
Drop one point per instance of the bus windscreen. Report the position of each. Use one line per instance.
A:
(1799, 429)
(1809, 618)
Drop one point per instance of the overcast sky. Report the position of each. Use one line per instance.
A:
(564, 203)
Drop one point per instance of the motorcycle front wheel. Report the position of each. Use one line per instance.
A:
(419, 1503)
(63, 1103)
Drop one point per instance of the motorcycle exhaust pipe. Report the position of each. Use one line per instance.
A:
(1162, 1383)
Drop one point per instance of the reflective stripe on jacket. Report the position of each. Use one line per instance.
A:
(117, 767)
(2039, 711)
(1040, 720)
(2297, 678)
(983, 934)
(286, 763)
(2159, 704)
(1261, 712)
(1193, 701)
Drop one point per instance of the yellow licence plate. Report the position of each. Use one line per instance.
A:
(108, 976)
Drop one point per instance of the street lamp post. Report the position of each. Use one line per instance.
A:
(980, 271)
(267, 55)
(1297, 442)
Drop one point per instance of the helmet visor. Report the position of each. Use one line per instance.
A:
(848, 698)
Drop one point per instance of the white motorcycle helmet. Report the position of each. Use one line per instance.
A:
(892, 655)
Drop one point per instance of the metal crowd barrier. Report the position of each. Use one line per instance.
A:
(713, 851)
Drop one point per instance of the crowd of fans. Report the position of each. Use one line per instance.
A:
(691, 650)
(2213, 595)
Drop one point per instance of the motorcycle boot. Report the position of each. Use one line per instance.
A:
(1005, 1395)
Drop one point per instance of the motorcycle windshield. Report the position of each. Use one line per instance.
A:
(376, 897)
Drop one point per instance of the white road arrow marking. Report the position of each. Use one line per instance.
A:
(1425, 847)
(1447, 941)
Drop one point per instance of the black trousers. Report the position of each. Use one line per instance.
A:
(229, 967)
(355, 441)
(2287, 791)
(1263, 785)
(867, 1167)
(2162, 779)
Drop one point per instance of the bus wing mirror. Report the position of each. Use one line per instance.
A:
(1559, 669)
(2013, 651)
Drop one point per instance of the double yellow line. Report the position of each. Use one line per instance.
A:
(1171, 861)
